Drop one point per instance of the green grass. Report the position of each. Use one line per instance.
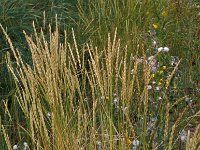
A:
(94, 79)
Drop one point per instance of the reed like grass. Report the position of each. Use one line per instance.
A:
(69, 102)
(93, 87)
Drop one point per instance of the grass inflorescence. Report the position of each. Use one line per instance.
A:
(110, 75)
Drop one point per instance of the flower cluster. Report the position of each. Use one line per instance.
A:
(183, 136)
(163, 49)
(25, 146)
(135, 144)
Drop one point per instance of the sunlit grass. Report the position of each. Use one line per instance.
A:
(125, 77)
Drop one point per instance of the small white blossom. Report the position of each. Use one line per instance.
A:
(135, 144)
(115, 101)
(15, 147)
(154, 43)
(153, 82)
(160, 49)
(159, 98)
(149, 87)
(172, 63)
(166, 49)
(25, 146)
(157, 88)
(183, 136)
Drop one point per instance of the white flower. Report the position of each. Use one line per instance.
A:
(183, 136)
(157, 88)
(153, 82)
(159, 98)
(160, 49)
(25, 146)
(172, 63)
(15, 147)
(135, 144)
(154, 43)
(166, 49)
(149, 87)
(115, 101)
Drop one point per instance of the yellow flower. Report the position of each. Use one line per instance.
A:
(164, 67)
(159, 83)
(160, 72)
(155, 26)
(164, 13)
(153, 75)
(161, 80)
(128, 141)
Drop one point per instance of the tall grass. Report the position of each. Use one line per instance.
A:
(177, 22)
(16, 16)
(69, 102)
(93, 87)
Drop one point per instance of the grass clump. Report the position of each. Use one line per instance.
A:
(117, 80)
(68, 102)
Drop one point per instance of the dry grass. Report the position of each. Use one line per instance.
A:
(70, 102)
(193, 141)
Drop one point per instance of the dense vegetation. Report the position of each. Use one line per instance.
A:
(99, 74)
